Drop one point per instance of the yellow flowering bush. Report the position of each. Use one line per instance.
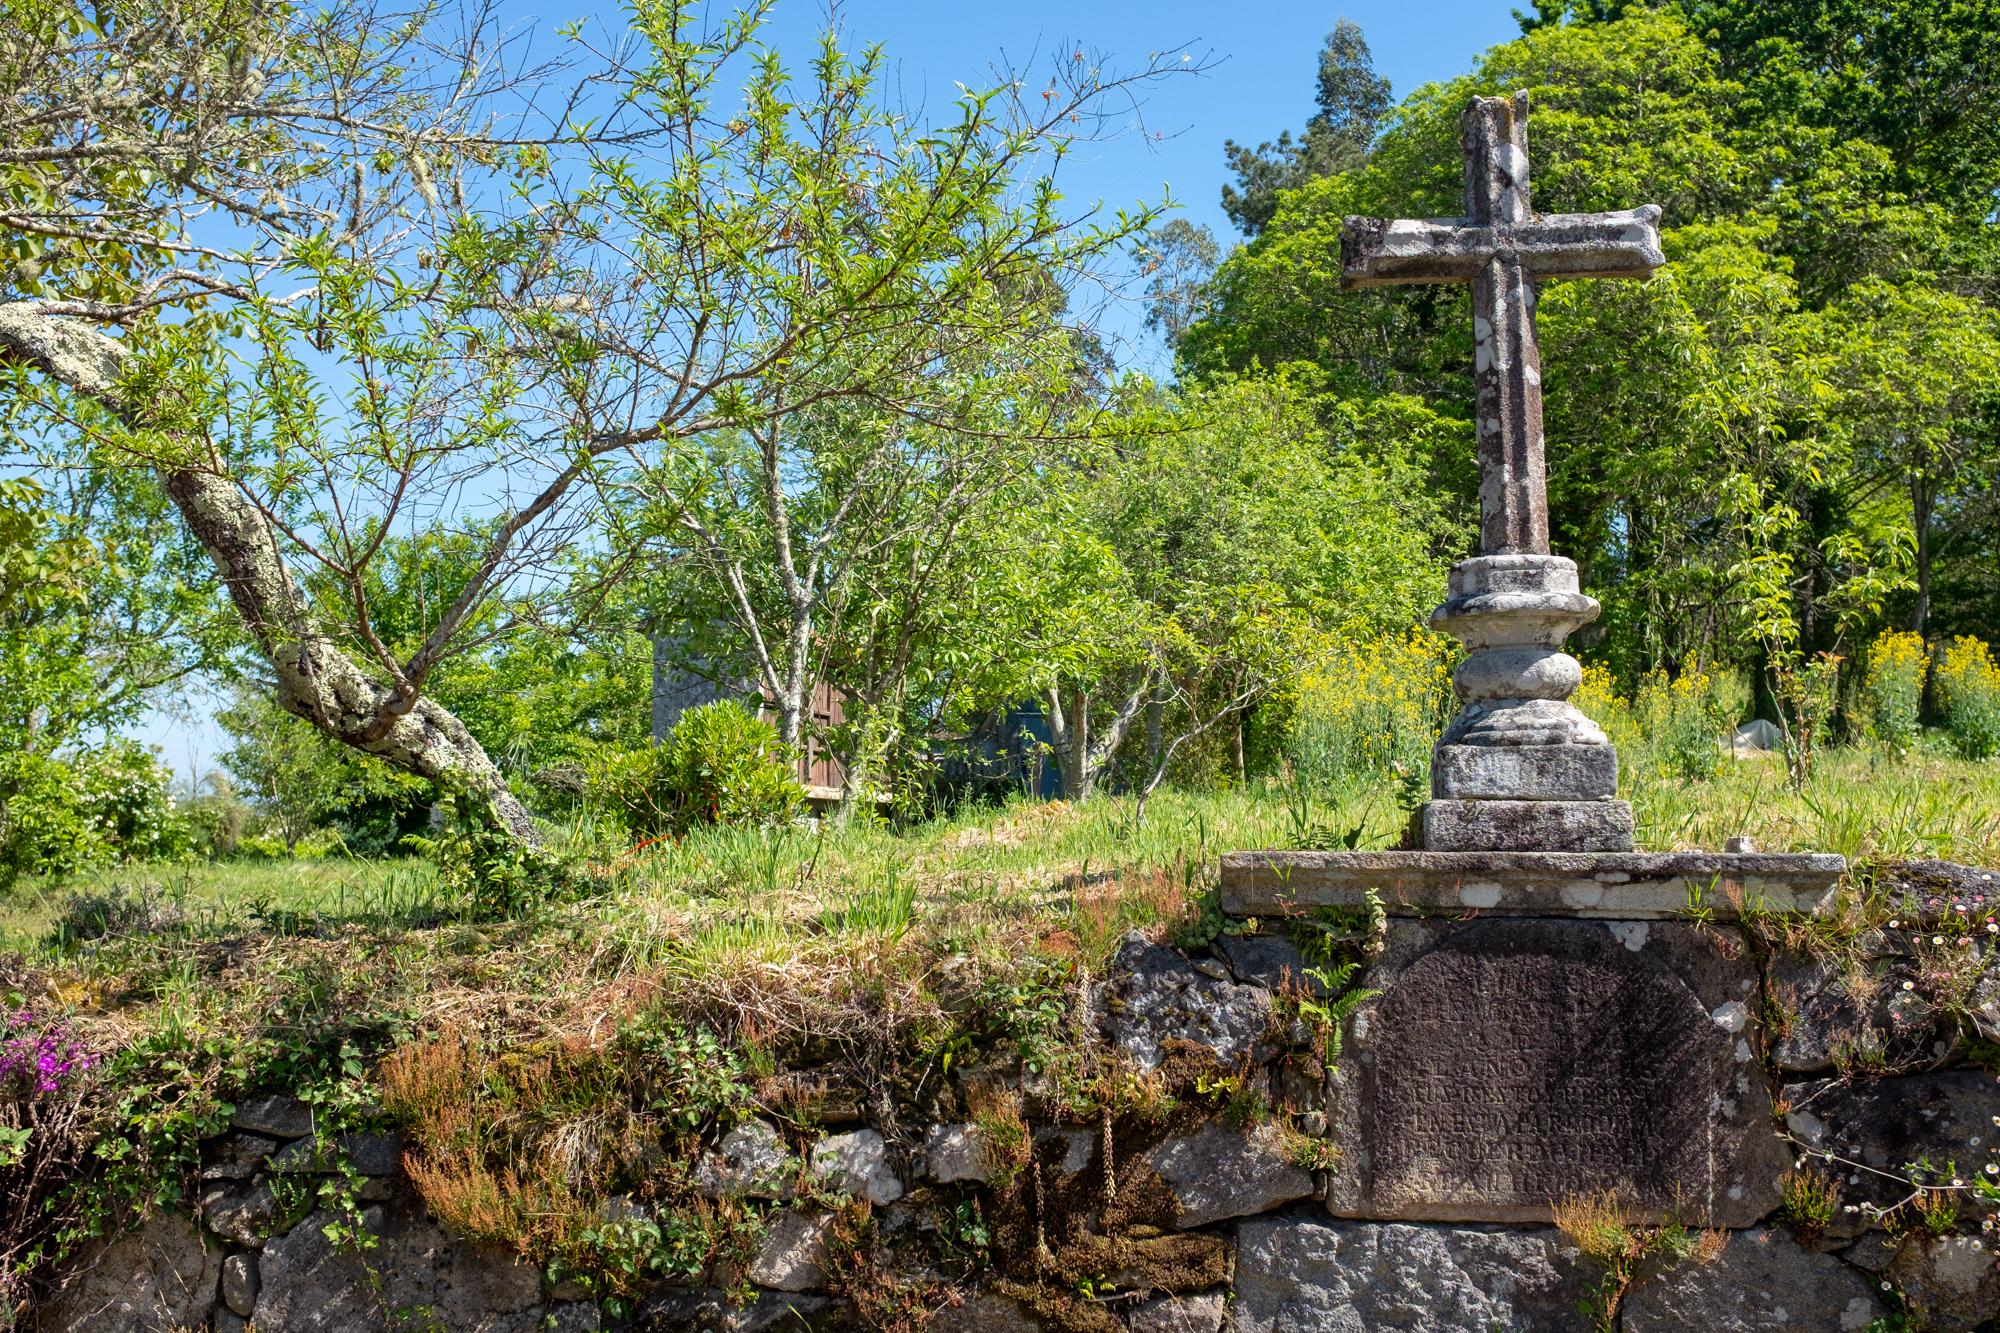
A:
(1667, 727)
(1968, 696)
(1892, 687)
(1371, 708)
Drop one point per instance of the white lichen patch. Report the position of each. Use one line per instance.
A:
(1731, 1016)
(1479, 895)
(1631, 934)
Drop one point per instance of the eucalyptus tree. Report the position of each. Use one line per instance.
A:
(346, 275)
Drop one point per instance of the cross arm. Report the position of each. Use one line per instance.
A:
(1381, 252)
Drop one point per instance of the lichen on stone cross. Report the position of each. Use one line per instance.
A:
(1519, 768)
(1503, 249)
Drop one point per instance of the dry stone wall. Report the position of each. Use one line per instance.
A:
(1249, 1184)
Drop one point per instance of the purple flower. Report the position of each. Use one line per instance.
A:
(40, 1052)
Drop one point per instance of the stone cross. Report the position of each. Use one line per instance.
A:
(1519, 768)
(1503, 249)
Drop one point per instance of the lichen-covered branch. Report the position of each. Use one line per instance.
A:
(316, 678)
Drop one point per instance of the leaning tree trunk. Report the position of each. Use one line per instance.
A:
(316, 679)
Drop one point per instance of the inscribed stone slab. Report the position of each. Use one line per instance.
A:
(1509, 1063)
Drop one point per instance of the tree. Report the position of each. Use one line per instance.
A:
(1178, 258)
(1352, 100)
(835, 340)
(430, 305)
(1195, 559)
(1719, 378)
(1918, 371)
(102, 607)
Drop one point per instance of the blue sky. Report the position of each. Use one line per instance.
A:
(1263, 58)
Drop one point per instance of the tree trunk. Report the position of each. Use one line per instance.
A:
(316, 679)
(1923, 501)
(1077, 777)
(1156, 708)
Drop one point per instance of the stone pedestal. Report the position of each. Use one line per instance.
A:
(1520, 768)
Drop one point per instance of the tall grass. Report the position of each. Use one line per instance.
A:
(1892, 688)
(1678, 728)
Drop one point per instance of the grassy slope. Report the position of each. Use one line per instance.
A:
(988, 873)
(860, 959)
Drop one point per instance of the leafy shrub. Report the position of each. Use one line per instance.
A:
(1372, 709)
(486, 874)
(687, 1075)
(270, 844)
(1667, 728)
(1968, 696)
(130, 795)
(45, 825)
(721, 764)
(217, 818)
(1892, 687)
(60, 815)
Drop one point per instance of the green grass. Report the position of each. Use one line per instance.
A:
(216, 895)
(1861, 803)
(980, 878)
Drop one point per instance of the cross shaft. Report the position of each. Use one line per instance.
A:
(1502, 249)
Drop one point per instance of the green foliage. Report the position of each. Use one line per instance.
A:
(63, 814)
(1328, 1017)
(1351, 98)
(720, 764)
(1771, 449)
(486, 874)
(1366, 709)
(688, 1075)
(1892, 687)
(1968, 692)
(102, 611)
(304, 786)
(1679, 728)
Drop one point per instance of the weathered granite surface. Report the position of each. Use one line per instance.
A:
(1152, 997)
(160, 1276)
(309, 1283)
(1876, 1127)
(1622, 886)
(1950, 1282)
(1295, 1274)
(1225, 1172)
(1511, 1062)
(1762, 1282)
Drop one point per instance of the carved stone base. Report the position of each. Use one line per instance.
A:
(1525, 772)
(1527, 826)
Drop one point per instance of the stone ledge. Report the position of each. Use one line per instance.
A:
(1625, 886)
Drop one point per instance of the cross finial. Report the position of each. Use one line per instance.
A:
(1503, 249)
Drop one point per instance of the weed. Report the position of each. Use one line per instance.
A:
(1327, 1018)
(1599, 1226)
(1811, 1199)
(1003, 1132)
(1308, 1153)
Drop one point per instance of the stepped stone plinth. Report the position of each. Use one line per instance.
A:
(1618, 886)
